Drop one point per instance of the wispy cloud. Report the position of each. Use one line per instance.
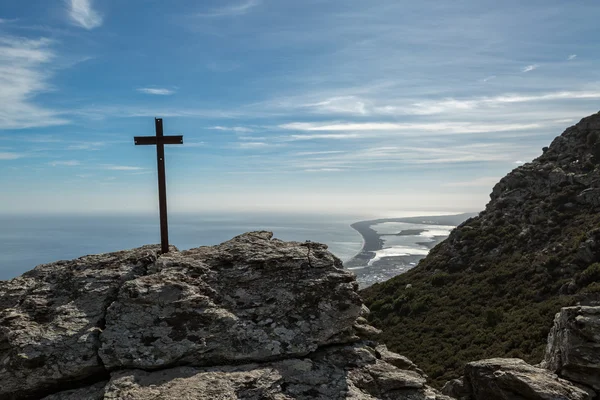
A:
(67, 163)
(156, 91)
(87, 146)
(231, 10)
(25, 67)
(319, 136)
(435, 127)
(323, 170)
(252, 145)
(314, 153)
(9, 156)
(489, 78)
(83, 15)
(572, 57)
(530, 68)
(238, 129)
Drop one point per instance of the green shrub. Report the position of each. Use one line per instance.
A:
(589, 275)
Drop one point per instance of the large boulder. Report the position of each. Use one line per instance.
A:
(252, 318)
(249, 299)
(573, 350)
(514, 379)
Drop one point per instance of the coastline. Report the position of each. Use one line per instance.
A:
(372, 268)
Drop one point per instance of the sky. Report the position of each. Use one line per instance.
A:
(323, 106)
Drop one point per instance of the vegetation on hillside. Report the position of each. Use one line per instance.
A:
(493, 287)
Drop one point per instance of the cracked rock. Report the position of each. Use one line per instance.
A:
(51, 318)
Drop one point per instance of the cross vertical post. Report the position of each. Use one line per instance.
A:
(160, 140)
(162, 187)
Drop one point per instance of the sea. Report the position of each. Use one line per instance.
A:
(30, 240)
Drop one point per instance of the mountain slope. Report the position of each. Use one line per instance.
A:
(492, 288)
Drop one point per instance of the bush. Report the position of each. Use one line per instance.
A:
(591, 274)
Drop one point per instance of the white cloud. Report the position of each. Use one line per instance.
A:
(314, 153)
(82, 14)
(343, 104)
(572, 57)
(252, 145)
(9, 156)
(86, 146)
(24, 72)
(434, 127)
(453, 105)
(68, 163)
(489, 78)
(530, 68)
(156, 91)
(519, 162)
(323, 136)
(237, 129)
(323, 170)
(231, 10)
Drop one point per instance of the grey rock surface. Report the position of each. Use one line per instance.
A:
(457, 389)
(338, 372)
(252, 318)
(51, 318)
(573, 350)
(249, 299)
(92, 392)
(514, 379)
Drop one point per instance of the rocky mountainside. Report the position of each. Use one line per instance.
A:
(492, 288)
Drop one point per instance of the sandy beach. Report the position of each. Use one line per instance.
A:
(392, 246)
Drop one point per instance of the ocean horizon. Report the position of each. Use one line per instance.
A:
(30, 240)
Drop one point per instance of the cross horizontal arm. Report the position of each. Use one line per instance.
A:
(150, 140)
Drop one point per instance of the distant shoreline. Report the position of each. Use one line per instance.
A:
(373, 241)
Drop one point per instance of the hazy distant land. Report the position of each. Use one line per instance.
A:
(385, 267)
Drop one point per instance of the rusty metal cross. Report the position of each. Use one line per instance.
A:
(159, 140)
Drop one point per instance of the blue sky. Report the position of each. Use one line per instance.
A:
(365, 107)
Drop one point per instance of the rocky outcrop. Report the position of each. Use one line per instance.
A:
(252, 318)
(573, 349)
(492, 288)
(514, 379)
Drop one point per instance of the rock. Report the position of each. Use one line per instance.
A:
(514, 379)
(590, 196)
(573, 350)
(456, 388)
(51, 319)
(274, 299)
(252, 318)
(397, 360)
(93, 392)
(337, 372)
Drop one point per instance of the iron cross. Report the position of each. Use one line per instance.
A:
(159, 140)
